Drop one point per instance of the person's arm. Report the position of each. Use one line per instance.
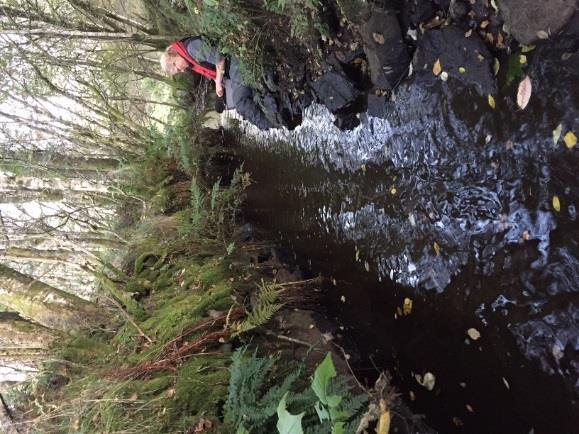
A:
(219, 72)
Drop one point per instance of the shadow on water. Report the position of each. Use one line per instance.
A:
(448, 203)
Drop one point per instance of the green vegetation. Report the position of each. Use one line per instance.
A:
(180, 294)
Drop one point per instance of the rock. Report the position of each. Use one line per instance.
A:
(415, 12)
(385, 49)
(458, 9)
(347, 121)
(464, 59)
(529, 20)
(335, 91)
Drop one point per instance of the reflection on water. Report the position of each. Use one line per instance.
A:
(450, 203)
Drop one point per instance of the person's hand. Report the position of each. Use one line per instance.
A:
(219, 89)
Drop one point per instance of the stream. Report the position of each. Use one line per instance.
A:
(468, 212)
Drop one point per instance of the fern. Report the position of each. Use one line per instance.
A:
(251, 403)
(265, 307)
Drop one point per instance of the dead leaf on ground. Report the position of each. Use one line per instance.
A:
(437, 68)
(524, 92)
(541, 34)
(492, 101)
(384, 421)
(379, 38)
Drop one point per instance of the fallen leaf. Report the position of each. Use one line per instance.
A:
(494, 5)
(363, 168)
(566, 56)
(496, 66)
(467, 34)
(457, 421)
(541, 34)
(367, 266)
(412, 396)
(556, 203)
(522, 59)
(526, 235)
(393, 190)
(506, 383)
(524, 92)
(462, 70)
(437, 68)
(474, 334)
(444, 75)
(557, 133)
(133, 397)
(429, 381)
(492, 102)
(469, 408)
(527, 48)
(76, 425)
(484, 24)
(436, 248)
(570, 139)
(379, 38)
(343, 299)
(407, 306)
(384, 421)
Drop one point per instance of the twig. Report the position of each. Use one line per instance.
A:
(6, 420)
(128, 318)
(288, 339)
(350, 368)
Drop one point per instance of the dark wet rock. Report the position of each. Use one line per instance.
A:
(415, 12)
(347, 121)
(335, 91)
(377, 105)
(527, 19)
(553, 342)
(455, 51)
(385, 49)
(458, 9)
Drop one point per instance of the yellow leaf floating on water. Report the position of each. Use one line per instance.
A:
(556, 203)
(436, 248)
(524, 92)
(437, 68)
(557, 133)
(407, 306)
(462, 70)
(384, 421)
(523, 59)
(473, 333)
(492, 102)
(570, 139)
(527, 48)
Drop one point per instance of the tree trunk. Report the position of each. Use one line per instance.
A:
(44, 304)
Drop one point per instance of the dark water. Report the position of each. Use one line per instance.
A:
(450, 204)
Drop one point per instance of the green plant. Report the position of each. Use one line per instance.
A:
(261, 398)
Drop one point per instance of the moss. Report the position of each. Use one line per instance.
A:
(201, 387)
(85, 350)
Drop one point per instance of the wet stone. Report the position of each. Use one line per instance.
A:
(385, 49)
(456, 53)
(335, 91)
(529, 20)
